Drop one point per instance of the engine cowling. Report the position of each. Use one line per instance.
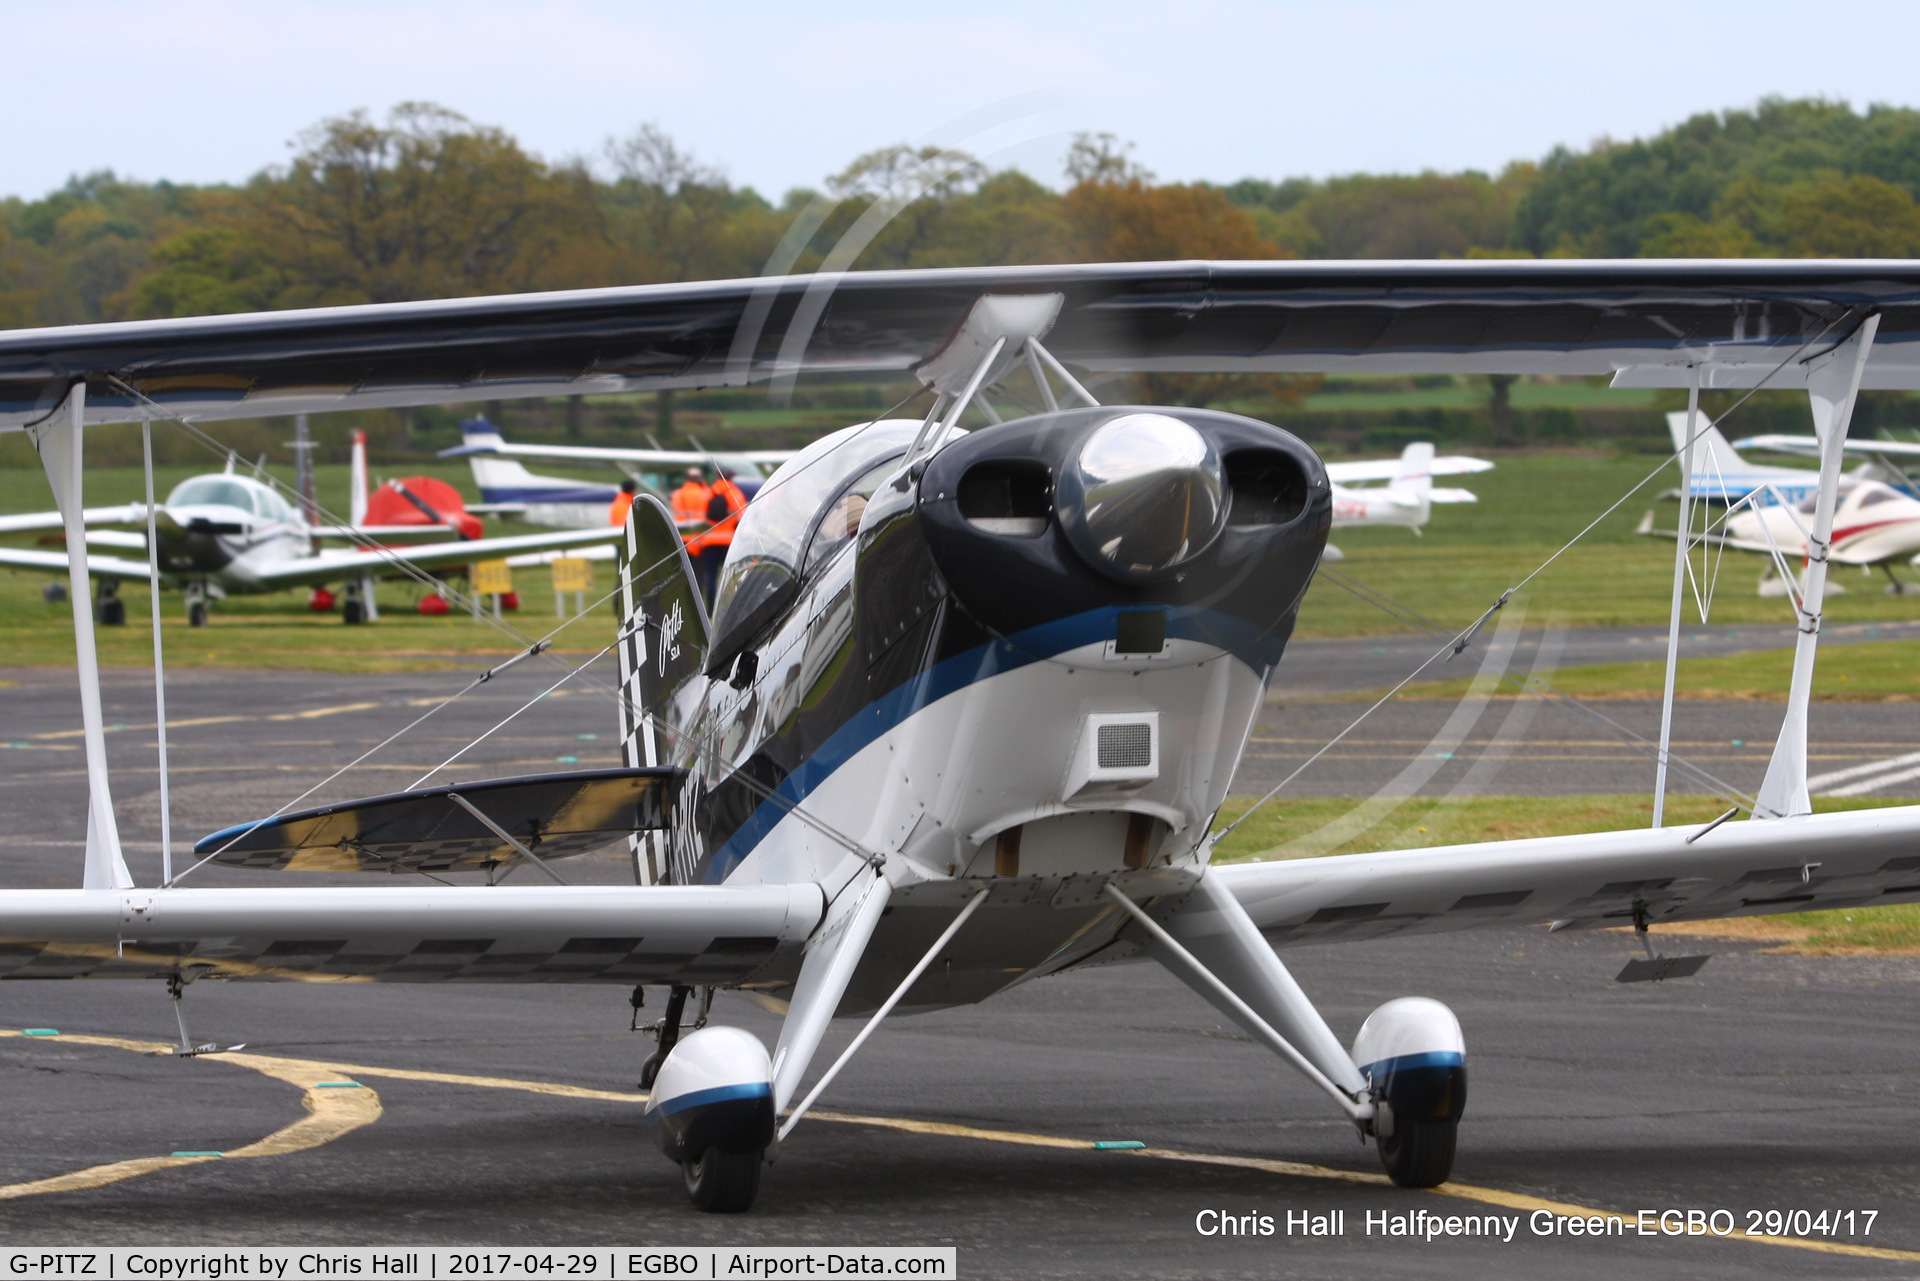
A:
(1415, 1059)
(714, 1090)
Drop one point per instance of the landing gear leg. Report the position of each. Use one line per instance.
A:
(176, 988)
(196, 605)
(669, 1033)
(109, 609)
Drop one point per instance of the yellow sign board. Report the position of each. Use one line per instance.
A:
(492, 577)
(572, 574)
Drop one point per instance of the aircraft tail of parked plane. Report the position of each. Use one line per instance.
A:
(1721, 475)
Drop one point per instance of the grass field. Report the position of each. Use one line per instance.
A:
(1281, 828)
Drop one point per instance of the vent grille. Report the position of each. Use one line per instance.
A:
(1125, 746)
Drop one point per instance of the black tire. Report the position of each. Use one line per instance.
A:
(722, 1182)
(113, 612)
(1420, 1153)
(353, 613)
(650, 1070)
(197, 614)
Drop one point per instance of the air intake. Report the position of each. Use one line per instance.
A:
(1125, 746)
(1116, 755)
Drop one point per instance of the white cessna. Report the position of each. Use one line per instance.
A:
(969, 702)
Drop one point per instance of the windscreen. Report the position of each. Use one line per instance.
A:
(211, 490)
(765, 555)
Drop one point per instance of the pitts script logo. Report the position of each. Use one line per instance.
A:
(670, 626)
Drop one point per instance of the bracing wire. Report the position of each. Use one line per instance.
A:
(1464, 638)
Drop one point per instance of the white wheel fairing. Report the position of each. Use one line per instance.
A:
(714, 1090)
(1415, 1058)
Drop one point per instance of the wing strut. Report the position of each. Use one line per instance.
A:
(1679, 579)
(58, 440)
(1833, 384)
(1354, 1103)
(886, 1008)
(159, 663)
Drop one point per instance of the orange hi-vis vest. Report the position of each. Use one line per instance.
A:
(721, 535)
(690, 511)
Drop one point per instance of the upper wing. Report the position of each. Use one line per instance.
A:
(332, 563)
(1738, 869)
(27, 522)
(440, 829)
(1388, 468)
(56, 563)
(1647, 322)
(626, 934)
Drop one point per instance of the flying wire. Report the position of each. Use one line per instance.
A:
(1464, 638)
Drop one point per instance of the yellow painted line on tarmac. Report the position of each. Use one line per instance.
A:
(330, 1114)
(317, 712)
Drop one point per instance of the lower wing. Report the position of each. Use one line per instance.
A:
(337, 563)
(628, 934)
(1751, 868)
(56, 563)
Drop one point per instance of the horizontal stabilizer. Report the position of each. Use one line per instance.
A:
(553, 815)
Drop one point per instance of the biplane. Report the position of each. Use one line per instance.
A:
(973, 690)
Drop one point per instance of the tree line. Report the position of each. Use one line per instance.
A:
(425, 203)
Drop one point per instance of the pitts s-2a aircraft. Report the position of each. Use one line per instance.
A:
(969, 702)
(227, 534)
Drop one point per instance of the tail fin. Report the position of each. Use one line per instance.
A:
(662, 647)
(1712, 455)
(1416, 468)
(357, 504)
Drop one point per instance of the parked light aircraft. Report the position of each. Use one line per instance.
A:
(1874, 526)
(1407, 496)
(1721, 475)
(1885, 460)
(230, 534)
(508, 489)
(968, 703)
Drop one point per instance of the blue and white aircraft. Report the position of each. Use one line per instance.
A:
(969, 702)
(509, 490)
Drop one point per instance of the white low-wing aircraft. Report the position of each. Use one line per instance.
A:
(228, 534)
(968, 703)
(508, 489)
(1406, 499)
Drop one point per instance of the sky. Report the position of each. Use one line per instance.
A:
(783, 95)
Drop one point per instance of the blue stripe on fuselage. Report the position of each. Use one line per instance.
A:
(1258, 649)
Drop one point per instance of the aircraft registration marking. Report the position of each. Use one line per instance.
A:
(340, 1112)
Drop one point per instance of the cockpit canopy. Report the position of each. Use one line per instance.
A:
(805, 511)
(231, 491)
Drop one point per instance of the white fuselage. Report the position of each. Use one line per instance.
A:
(1873, 524)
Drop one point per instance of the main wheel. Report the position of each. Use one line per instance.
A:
(722, 1182)
(1419, 1154)
(113, 612)
(197, 614)
(353, 612)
